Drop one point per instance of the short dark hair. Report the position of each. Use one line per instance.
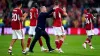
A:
(18, 3)
(88, 10)
(35, 5)
(56, 3)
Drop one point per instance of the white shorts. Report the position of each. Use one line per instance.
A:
(90, 32)
(59, 30)
(18, 34)
(32, 30)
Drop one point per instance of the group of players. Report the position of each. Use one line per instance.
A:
(37, 27)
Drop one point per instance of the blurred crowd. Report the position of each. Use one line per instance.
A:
(75, 10)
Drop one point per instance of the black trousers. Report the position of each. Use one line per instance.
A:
(38, 34)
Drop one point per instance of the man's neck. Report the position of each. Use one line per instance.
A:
(18, 7)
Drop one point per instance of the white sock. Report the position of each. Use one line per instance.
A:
(27, 49)
(42, 47)
(10, 47)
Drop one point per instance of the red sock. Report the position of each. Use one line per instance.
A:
(28, 42)
(87, 41)
(60, 43)
(57, 43)
(40, 42)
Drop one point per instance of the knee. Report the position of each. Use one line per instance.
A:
(63, 36)
(90, 37)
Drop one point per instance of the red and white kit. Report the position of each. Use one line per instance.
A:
(16, 23)
(89, 24)
(33, 20)
(57, 24)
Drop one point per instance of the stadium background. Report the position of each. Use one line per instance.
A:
(73, 24)
(74, 20)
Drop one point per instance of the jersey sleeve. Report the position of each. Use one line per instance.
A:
(20, 13)
(92, 17)
(61, 11)
(49, 12)
(36, 13)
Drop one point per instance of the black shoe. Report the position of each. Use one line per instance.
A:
(10, 52)
(51, 50)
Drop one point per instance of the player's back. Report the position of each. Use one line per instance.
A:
(89, 23)
(16, 22)
(33, 16)
(57, 17)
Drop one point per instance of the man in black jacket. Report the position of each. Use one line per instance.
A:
(40, 29)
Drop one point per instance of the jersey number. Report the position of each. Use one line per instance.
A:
(54, 14)
(14, 17)
(88, 21)
(30, 15)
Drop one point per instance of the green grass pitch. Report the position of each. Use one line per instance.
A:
(72, 46)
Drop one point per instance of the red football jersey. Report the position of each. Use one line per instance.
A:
(89, 23)
(57, 17)
(33, 16)
(16, 22)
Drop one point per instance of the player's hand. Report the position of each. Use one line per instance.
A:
(64, 9)
(25, 14)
